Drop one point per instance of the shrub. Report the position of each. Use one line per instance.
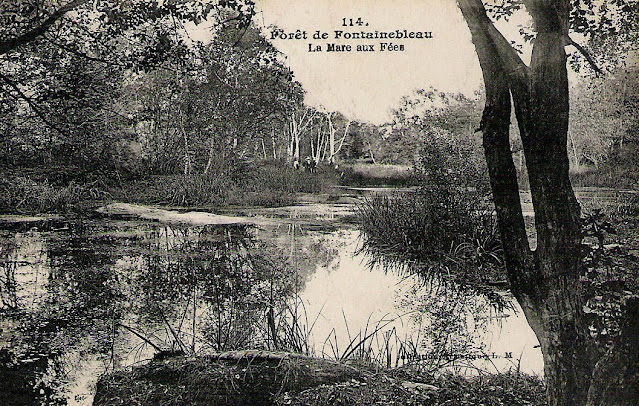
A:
(237, 183)
(25, 195)
(447, 225)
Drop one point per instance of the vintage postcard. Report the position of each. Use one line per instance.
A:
(281, 202)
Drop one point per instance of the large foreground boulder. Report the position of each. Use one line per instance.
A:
(231, 378)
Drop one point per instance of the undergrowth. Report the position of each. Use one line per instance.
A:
(267, 185)
(402, 387)
(24, 195)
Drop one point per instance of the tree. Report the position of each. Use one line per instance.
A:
(64, 112)
(324, 146)
(220, 106)
(38, 38)
(546, 280)
(300, 121)
(606, 108)
(254, 91)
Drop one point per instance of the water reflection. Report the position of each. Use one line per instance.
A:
(405, 320)
(81, 298)
(48, 313)
(96, 296)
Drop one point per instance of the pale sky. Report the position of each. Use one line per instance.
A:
(366, 85)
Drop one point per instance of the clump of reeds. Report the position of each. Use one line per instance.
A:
(25, 195)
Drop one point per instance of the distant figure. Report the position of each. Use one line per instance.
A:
(309, 164)
(296, 164)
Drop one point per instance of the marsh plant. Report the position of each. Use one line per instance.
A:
(446, 227)
(445, 232)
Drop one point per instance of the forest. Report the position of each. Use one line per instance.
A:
(144, 113)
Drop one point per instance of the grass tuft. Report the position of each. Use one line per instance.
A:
(25, 195)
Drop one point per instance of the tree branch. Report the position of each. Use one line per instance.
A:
(582, 50)
(31, 104)
(475, 13)
(32, 35)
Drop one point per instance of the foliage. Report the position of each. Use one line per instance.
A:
(25, 195)
(427, 113)
(61, 96)
(603, 133)
(108, 25)
(68, 119)
(610, 267)
(609, 29)
(446, 227)
(403, 387)
(230, 104)
(602, 144)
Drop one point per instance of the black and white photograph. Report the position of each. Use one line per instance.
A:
(319, 202)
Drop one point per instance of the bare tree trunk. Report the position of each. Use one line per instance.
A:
(209, 161)
(291, 143)
(370, 149)
(316, 155)
(331, 140)
(273, 141)
(348, 125)
(334, 151)
(296, 129)
(187, 157)
(574, 150)
(296, 140)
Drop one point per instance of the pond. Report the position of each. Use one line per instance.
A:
(82, 297)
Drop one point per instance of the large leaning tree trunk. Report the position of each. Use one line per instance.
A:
(546, 280)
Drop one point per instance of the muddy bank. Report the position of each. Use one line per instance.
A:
(168, 216)
(264, 378)
(310, 214)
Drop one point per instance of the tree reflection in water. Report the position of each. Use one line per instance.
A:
(94, 296)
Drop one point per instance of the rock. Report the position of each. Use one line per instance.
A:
(230, 378)
(419, 386)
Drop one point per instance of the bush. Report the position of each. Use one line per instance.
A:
(447, 225)
(237, 183)
(25, 195)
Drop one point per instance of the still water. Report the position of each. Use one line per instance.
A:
(84, 297)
